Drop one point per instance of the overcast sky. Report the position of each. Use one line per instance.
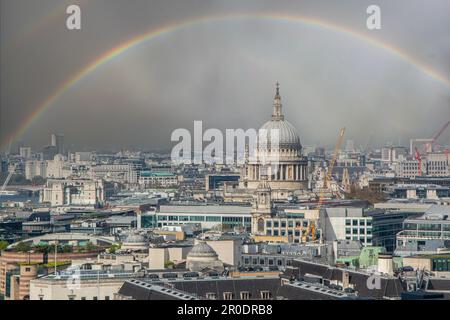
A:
(223, 72)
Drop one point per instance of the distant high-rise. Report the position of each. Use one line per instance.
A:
(350, 146)
(58, 142)
(25, 152)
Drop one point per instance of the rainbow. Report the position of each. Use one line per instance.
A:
(30, 30)
(172, 27)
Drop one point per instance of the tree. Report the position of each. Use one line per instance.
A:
(22, 247)
(113, 248)
(3, 245)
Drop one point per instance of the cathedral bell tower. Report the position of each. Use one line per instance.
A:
(262, 206)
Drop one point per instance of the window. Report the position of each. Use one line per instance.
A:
(94, 298)
(27, 269)
(83, 298)
(348, 222)
(212, 296)
(197, 218)
(265, 295)
(355, 222)
(245, 295)
(106, 297)
(227, 296)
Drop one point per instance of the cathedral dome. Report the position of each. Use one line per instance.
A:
(288, 136)
(202, 250)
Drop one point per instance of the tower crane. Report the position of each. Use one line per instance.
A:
(312, 228)
(328, 176)
(2, 190)
(436, 136)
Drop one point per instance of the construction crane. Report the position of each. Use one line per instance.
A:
(11, 172)
(329, 174)
(436, 136)
(418, 157)
(327, 178)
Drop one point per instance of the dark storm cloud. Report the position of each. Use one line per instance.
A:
(223, 72)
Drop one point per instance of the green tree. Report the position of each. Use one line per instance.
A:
(3, 245)
(113, 248)
(22, 247)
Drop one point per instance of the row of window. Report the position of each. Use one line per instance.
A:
(262, 261)
(244, 295)
(354, 231)
(367, 239)
(284, 223)
(72, 297)
(356, 222)
(283, 232)
(204, 218)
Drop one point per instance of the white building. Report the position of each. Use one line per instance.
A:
(58, 168)
(114, 172)
(407, 169)
(285, 166)
(84, 285)
(346, 224)
(82, 157)
(35, 168)
(59, 192)
(162, 179)
(437, 165)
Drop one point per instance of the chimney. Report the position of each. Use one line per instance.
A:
(386, 264)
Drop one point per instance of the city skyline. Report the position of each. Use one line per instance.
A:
(218, 63)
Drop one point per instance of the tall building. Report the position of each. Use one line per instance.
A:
(58, 142)
(25, 152)
(289, 171)
(35, 168)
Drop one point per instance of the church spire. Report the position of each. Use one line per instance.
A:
(277, 112)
